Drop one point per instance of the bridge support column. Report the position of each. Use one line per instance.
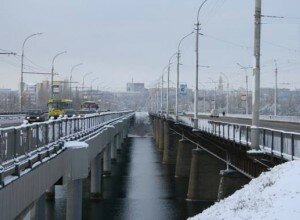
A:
(170, 145)
(74, 200)
(50, 193)
(154, 128)
(96, 175)
(161, 135)
(204, 176)
(118, 143)
(113, 148)
(230, 181)
(157, 129)
(38, 212)
(184, 158)
(107, 160)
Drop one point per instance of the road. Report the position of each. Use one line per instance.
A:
(277, 125)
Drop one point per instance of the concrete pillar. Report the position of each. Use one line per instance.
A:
(107, 160)
(204, 176)
(230, 181)
(157, 129)
(171, 141)
(50, 193)
(161, 135)
(74, 199)
(113, 148)
(38, 211)
(96, 175)
(154, 128)
(118, 143)
(184, 158)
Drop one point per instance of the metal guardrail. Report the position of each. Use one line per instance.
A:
(28, 142)
(283, 144)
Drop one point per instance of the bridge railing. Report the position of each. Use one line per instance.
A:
(275, 142)
(19, 141)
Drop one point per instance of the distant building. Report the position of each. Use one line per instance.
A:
(135, 87)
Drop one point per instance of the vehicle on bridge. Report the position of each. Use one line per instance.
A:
(36, 115)
(89, 107)
(60, 107)
(214, 113)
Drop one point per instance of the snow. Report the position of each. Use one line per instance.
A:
(273, 195)
(76, 144)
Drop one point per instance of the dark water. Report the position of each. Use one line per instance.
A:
(140, 187)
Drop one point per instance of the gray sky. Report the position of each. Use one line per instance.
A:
(119, 40)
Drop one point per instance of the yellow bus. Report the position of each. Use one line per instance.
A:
(57, 107)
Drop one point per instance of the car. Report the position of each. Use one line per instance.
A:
(214, 113)
(36, 115)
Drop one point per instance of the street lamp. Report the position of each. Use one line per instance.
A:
(204, 99)
(162, 90)
(197, 67)
(94, 80)
(73, 67)
(22, 69)
(247, 90)
(275, 95)
(178, 69)
(83, 78)
(227, 98)
(168, 90)
(52, 70)
(215, 93)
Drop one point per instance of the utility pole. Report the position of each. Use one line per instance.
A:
(275, 95)
(247, 88)
(197, 68)
(162, 94)
(256, 73)
(52, 71)
(168, 83)
(227, 97)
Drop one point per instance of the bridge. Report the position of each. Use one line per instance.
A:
(35, 157)
(217, 156)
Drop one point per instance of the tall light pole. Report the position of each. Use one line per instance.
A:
(94, 80)
(52, 70)
(275, 95)
(227, 97)
(73, 67)
(83, 78)
(215, 93)
(197, 67)
(168, 82)
(178, 74)
(162, 90)
(22, 69)
(256, 73)
(247, 87)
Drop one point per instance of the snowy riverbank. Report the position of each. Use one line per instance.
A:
(273, 195)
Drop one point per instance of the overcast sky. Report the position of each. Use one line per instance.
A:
(119, 40)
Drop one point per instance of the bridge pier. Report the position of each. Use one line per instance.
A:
(184, 158)
(113, 148)
(50, 193)
(204, 176)
(230, 181)
(107, 160)
(96, 176)
(118, 142)
(157, 128)
(170, 145)
(74, 199)
(161, 135)
(38, 211)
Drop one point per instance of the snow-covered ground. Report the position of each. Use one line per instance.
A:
(273, 195)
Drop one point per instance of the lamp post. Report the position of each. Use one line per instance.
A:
(215, 93)
(22, 69)
(197, 67)
(73, 67)
(178, 74)
(227, 97)
(162, 90)
(83, 78)
(247, 87)
(52, 70)
(94, 80)
(168, 82)
(275, 95)
(204, 99)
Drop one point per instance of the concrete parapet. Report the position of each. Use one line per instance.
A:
(184, 158)
(230, 181)
(204, 176)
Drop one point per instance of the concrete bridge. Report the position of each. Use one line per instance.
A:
(37, 156)
(216, 156)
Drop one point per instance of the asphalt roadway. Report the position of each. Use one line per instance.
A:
(277, 125)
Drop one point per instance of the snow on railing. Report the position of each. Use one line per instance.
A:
(21, 140)
(275, 142)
